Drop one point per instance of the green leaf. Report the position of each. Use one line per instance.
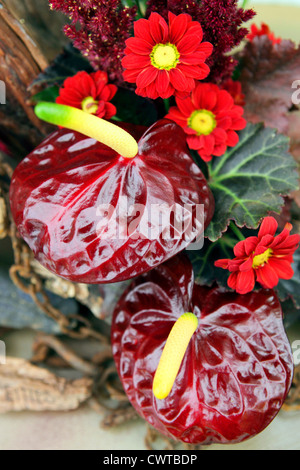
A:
(49, 94)
(251, 179)
(133, 108)
(203, 260)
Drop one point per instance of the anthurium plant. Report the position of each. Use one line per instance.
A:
(171, 164)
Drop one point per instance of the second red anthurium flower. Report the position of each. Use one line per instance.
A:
(166, 59)
(265, 258)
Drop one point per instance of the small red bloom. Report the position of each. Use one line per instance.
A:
(164, 59)
(89, 92)
(210, 118)
(263, 31)
(234, 87)
(265, 258)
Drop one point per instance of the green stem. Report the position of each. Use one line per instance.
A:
(236, 231)
(167, 104)
(244, 4)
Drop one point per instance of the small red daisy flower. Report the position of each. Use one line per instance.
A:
(264, 30)
(210, 118)
(89, 92)
(166, 59)
(234, 87)
(265, 258)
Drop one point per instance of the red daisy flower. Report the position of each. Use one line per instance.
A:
(234, 87)
(263, 31)
(89, 92)
(210, 118)
(166, 59)
(265, 258)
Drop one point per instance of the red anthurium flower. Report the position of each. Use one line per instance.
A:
(265, 258)
(89, 92)
(164, 59)
(264, 30)
(210, 118)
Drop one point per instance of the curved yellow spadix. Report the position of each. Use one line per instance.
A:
(172, 355)
(90, 125)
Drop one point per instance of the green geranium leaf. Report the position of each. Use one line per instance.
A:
(251, 179)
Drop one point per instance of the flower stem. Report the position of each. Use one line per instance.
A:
(236, 231)
(167, 104)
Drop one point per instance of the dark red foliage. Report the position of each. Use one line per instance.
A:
(70, 199)
(99, 29)
(237, 369)
(221, 21)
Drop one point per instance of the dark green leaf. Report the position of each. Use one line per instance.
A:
(49, 94)
(250, 179)
(133, 108)
(203, 260)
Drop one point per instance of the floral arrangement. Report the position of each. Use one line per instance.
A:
(164, 110)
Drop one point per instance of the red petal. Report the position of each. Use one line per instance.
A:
(188, 44)
(186, 106)
(247, 264)
(178, 80)
(268, 227)
(224, 102)
(232, 138)
(177, 26)
(222, 263)
(282, 267)
(267, 276)
(162, 81)
(146, 77)
(250, 244)
(194, 142)
(209, 144)
(206, 48)
(110, 110)
(232, 280)
(239, 249)
(139, 46)
(195, 29)
(175, 115)
(142, 30)
(245, 282)
(130, 76)
(158, 28)
(134, 61)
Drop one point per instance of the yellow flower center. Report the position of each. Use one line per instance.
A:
(259, 260)
(202, 121)
(164, 56)
(89, 105)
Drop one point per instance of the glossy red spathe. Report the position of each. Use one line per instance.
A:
(236, 371)
(60, 192)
